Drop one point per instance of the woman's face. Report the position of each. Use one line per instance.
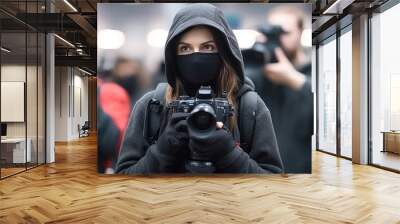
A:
(197, 39)
(198, 60)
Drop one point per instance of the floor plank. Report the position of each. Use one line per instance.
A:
(70, 191)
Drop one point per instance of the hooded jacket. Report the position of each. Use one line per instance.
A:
(137, 156)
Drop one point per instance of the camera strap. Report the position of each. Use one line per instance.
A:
(247, 119)
(152, 121)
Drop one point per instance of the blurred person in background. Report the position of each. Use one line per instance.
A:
(129, 74)
(159, 75)
(118, 90)
(285, 87)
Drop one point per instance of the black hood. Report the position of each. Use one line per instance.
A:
(202, 14)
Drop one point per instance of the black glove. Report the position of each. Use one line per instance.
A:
(214, 146)
(175, 137)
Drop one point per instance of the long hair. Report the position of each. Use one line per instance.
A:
(227, 81)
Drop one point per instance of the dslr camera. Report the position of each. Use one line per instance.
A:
(264, 52)
(205, 111)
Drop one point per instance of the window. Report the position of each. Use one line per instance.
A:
(385, 89)
(327, 96)
(22, 88)
(346, 92)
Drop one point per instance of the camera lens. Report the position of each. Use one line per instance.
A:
(202, 118)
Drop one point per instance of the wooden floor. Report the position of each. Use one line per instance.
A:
(387, 159)
(70, 191)
(10, 171)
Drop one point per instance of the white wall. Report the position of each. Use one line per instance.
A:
(12, 100)
(34, 124)
(17, 73)
(80, 96)
(61, 103)
(71, 93)
(14, 73)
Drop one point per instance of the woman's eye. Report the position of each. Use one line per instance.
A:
(209, 47)
(184, 49)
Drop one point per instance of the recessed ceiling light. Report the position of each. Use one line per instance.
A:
(70, 5)
(5, 50)
(84, 71)
(65, 41)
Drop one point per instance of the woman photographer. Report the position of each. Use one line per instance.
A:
(201, 50)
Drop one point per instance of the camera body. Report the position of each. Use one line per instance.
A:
(264, 52)
(204, 111)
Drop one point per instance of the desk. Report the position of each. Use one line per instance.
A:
(13, 150)
(391, 141)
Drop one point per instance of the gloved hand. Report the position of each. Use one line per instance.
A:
(175, 137)
(214, 146)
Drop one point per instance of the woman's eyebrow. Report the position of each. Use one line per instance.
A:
(210, 41)
(180, 42)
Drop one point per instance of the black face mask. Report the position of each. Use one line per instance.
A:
(129, 83)
(198, 69)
